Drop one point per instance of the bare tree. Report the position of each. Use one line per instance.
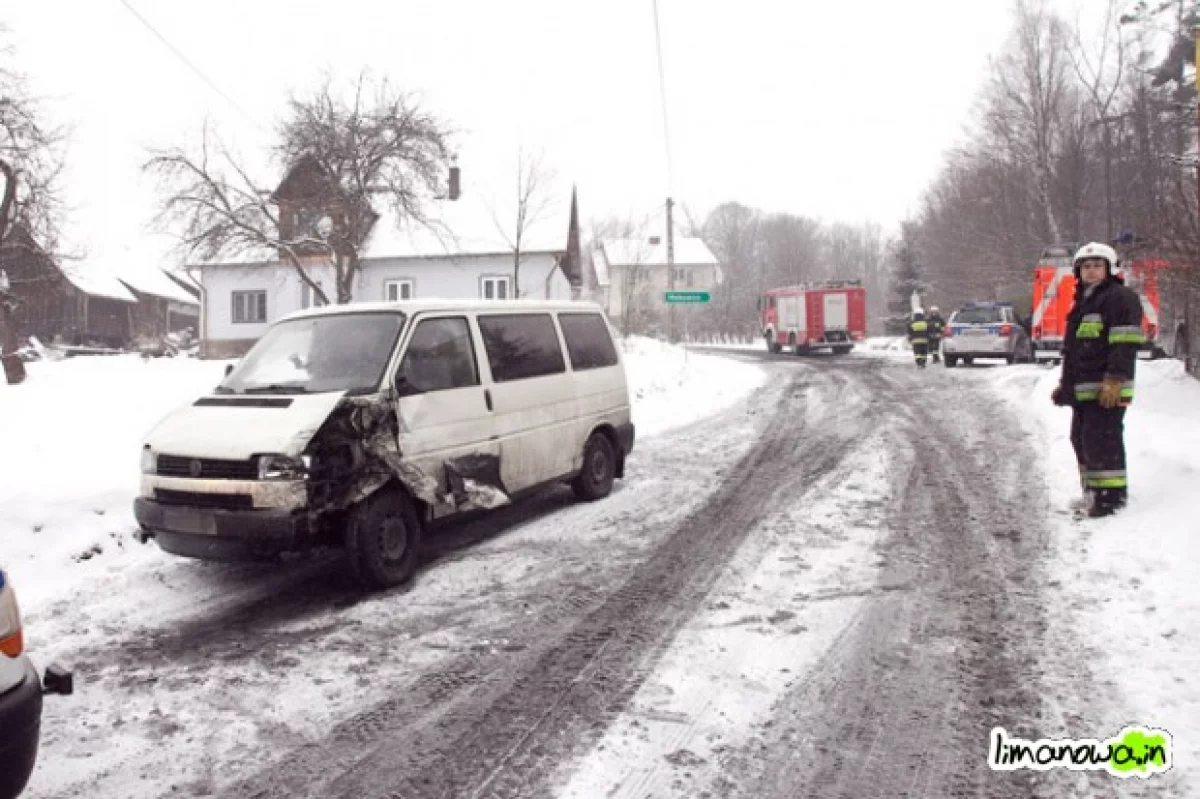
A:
(1101, 73)
(533, 201)
(29, 202)
(339, 157)
(1026, 104)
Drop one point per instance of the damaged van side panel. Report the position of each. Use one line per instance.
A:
(357, 451)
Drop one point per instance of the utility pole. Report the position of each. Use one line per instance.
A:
(662, 90)
(670, 266)
(1196, 40)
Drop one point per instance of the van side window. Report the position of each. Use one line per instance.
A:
(520, 346)
(588, 341)
(440, 356)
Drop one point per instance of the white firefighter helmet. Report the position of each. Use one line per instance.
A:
(1095, 249)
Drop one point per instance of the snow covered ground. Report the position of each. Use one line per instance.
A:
(1124, 587)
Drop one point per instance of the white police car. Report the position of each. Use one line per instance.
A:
(20, 697)
(985, 330)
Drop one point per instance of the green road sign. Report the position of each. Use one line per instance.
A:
(686, 296)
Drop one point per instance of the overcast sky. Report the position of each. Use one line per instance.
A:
(835, 110)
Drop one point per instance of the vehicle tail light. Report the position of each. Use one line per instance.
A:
(12, 641)
(1006, 330)
(1151, 332)
(1037, 331)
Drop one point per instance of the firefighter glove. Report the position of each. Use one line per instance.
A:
(1059, 395)
(1110, 393)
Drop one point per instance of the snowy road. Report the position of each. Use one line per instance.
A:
(830, 589)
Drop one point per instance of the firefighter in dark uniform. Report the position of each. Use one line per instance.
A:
(937, 326)
(1104, 331)
(918, 337)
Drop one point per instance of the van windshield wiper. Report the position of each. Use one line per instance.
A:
(276, 388)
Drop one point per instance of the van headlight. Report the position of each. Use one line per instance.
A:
(149, 461)
(283, 467)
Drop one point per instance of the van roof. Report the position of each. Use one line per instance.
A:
(410, 307)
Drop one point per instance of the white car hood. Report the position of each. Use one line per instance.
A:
(237, 426)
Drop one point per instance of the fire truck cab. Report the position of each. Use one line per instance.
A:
(1054, 294)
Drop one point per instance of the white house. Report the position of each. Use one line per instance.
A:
(633, 272)
(464, 253)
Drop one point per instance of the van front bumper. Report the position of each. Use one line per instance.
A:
(217, 534)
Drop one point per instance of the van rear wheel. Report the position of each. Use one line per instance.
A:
(595, 480)
(383, 539)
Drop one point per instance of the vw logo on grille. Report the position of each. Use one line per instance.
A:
(195, 468)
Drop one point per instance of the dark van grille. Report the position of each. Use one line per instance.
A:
(197, 499)
(210, 469)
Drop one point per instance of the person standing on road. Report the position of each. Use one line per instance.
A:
(918, 337)
(937, 325)
(1104, 331)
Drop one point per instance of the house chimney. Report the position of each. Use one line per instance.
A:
(455, 180)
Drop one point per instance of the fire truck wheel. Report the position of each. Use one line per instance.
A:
(951, 361)
(969, 361)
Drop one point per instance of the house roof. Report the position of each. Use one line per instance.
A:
(470, 225)
(96, 281)
(156, 283)
(689, 251)
(184, 279)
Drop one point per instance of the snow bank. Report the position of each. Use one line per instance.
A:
(1126, 584)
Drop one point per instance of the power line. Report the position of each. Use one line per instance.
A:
(190, 65)
(662, 90)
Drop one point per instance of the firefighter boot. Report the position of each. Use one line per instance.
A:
(1083, 503)
(1107, 502)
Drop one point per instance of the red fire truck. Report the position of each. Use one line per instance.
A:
(1054, 293)
(824, 315)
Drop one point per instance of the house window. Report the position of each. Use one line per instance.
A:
(397, 290)
(495, 288)
(249, 307)
(684, 277)
(308, 297)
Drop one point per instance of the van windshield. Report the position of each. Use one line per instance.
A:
(346, 352)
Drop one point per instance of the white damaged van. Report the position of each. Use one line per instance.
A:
(356, 425)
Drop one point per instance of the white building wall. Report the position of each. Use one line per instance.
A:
(459, 278)
(281, 283)
(462, 277)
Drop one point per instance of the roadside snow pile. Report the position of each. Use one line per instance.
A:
(71, 434)
(1126, 584)
(885, 345)
(70, 463)
(672, 388)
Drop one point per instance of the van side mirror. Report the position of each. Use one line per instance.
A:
(58, 681)
(228, 369)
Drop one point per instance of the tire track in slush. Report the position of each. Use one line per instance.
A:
(903, 705)
(472, 729)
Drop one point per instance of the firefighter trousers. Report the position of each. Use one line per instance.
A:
(920, 351)
(1097, 434)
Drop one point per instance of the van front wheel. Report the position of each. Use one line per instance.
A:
(383, 539)
(595, 480)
